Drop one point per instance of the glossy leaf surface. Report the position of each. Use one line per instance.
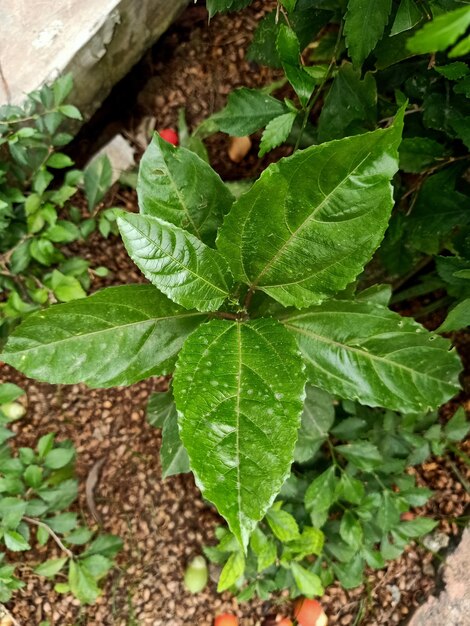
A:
(366, 352)
(185, 269)
(239, 391)
(177, 186)
(117, 336)
(328, 208)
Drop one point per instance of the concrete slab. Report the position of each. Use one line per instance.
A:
(452, 607)
(98, 42)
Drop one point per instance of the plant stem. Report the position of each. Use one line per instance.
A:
(459, 475)
(314, 98)
(56, 538)
(459, 453)
(4, 612)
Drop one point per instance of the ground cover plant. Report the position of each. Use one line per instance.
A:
(37, 212)
(37, 487)
(256, 309)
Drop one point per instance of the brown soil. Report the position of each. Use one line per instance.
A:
(165, 523)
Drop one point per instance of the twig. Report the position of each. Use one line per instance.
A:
(91, 482)
(4, 612)
(56, 538)
(459, 475)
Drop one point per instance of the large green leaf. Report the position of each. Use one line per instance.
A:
(457, 318)
(364, 351)
(239, 390)
(364, 25)
(177, 186)
(115, 337)
(184, 268)
(350, 106)
(309, 224)
(247, 111)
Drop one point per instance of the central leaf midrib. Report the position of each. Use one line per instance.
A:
(199, 276)
(307, 220)
(363, 353)
(237, 412)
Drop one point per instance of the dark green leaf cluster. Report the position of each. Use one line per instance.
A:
(37, 486)
(37, 217)
(371, 55)
(345, 507)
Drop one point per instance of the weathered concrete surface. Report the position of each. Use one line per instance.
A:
(98, 41)
(452, 607)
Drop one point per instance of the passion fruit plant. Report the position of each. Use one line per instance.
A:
(249, 300)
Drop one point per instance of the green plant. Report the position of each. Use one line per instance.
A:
(245, 354)
(37, 217)
(37, 486)
(251, 299)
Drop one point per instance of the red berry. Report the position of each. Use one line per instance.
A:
(310, 613)
(170, 135)
(226, 619)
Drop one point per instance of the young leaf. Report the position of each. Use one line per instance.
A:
(288, 48)
(220, 6)
(264, 549)
(240, 455)
(364, 454)
(317, 418)
(308, 583)
(9, 392)
(441, 33)
(320, 496)
(160, 407)
(408, 15)
(50, 567)
(458, 426)
(350, 106)
(247, 111)
(163, 414)
(97, 178)
(179, 264)
(15, 542)
(364, 26)
(276, 132)
(363, 351)
(328, 205)
(282, 524)
(457, 318)
(177, 186)
(117, 336)
(232, 571)
(82, 583)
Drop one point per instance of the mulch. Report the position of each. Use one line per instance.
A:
(164, 523)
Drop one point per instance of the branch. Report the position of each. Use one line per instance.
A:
(56, 538)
